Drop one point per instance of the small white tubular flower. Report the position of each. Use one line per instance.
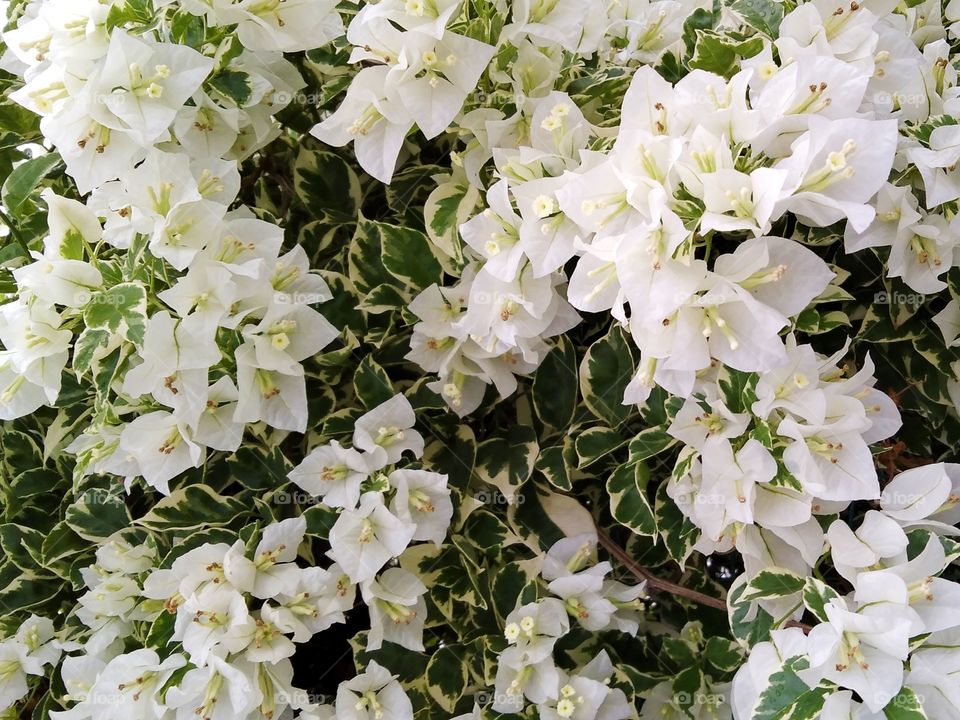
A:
(535, 628)
(387, 431)
(422, 498)
(214, 621)
(219, 691)
(859, 652)
(272, 570)
(582, 596)
(398, 609)
(920, 493)
(569, 556)
(333, 473)
(363, 540)
(141, 85)
(130, 685)
(373, 695)
(318, 600)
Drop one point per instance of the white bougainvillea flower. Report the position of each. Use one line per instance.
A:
(933, 674)
(835, 168)
(318, 600)
(131, 683)
(175, 359)
(215, 620)
(375, 694)
(920, 493)
(287, 26)
(694, 425)
(569, 555)
(534, 628)
(333, 473)
(582, 596)
(737, 201)
(277, 398)
(142, 85)
(859, 652)
(727, 491)
(778, 272)
(913, 590)
(398, 609)
(373, 118)
(272, 570)
(161, 446)
(59, 281)
(220, 690)
(363, 540)
(422, 498)
(386, 432)
(587, 695)
(831, 458)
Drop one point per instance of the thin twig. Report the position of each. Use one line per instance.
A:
(641, 573)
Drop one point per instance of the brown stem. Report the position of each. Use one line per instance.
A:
(641, 573)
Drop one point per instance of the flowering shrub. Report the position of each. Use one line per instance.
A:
(463, 359)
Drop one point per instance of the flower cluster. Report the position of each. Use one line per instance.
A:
(237, 611)
(579, 589)
(898, 611)
(236, 616)
(652, 228)
(369, 532)
(183, 306)
(795, 446)
(28, 652)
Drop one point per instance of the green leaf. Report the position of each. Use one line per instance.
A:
(371, 383)
(627, 487)
(258, 469)
(605, 372)
(556, 463)
(97, 514)
(678, 532)
(649, 442)
(447, 676)
(556, 384)
(773, 583)
(325, 181)
(85, 347)
(407, 255)
(749, 623)
(787, 696)
(188, 29)
(192, 507)
(234, 85)
(905, 705)
(816, 595)
(720, 54)
(724, 655)
(507, 462)
(738, 389)
(122, 306)
(597, 443)
(364, 258)
(762, 15)
(24, 180)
